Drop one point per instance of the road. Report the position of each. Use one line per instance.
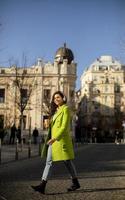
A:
(100, 167)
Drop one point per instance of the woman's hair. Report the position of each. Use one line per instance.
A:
(53, 105)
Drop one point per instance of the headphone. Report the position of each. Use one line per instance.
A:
(64, 98)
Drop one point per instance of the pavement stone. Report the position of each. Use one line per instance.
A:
(101, 172)
(8, 152)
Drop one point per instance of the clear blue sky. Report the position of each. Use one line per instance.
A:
(37, 28)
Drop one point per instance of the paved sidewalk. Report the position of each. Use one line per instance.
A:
(9, 152)
(101, 172)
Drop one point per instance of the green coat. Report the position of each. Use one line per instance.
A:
(62, 148)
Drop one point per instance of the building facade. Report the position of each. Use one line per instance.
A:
(102, 98)
(36, 85)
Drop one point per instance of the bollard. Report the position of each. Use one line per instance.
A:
(0, 150)
(40, 147)
(29, 149)
(17, 151)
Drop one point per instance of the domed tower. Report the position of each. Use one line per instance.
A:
(66, 72)
(64, 53)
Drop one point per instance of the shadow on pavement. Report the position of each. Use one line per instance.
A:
(103, 189)
(87, 190)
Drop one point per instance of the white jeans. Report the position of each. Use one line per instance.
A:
(68, 163)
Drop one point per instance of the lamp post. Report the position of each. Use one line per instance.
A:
(123, 124)
(94, 134)
(29, 146)
(0, 150)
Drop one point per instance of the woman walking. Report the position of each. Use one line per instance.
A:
(59, 141)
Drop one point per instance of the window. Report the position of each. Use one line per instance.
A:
(24, 95)
(24, 121)
(25, 71)
(2, 71)
(71, 93)
(45, 122)
(117, 88)
(107, 80)
(103, 67)
(106, 99)
(1, 121)
(106, 88)
(46, 94)
(2, 95)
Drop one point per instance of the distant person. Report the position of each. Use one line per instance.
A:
(18, 135)
(1, 134)
(35, 135)
(78, 132)
(117, 134)
(74, 122)
(59, 145)
(12, 134)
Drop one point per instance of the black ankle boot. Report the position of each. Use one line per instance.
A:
(41, 187)
(75, 185)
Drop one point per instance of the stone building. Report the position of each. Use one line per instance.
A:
(102, 99)
(42, 80)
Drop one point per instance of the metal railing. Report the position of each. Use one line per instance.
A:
(14, 152)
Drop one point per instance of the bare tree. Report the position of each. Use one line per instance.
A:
(24, 86)
(46, 105)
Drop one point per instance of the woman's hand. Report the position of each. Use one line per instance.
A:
(51, 141)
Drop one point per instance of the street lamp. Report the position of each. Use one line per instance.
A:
(123, 124)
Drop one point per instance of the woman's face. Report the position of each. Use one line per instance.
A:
(58, 100)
